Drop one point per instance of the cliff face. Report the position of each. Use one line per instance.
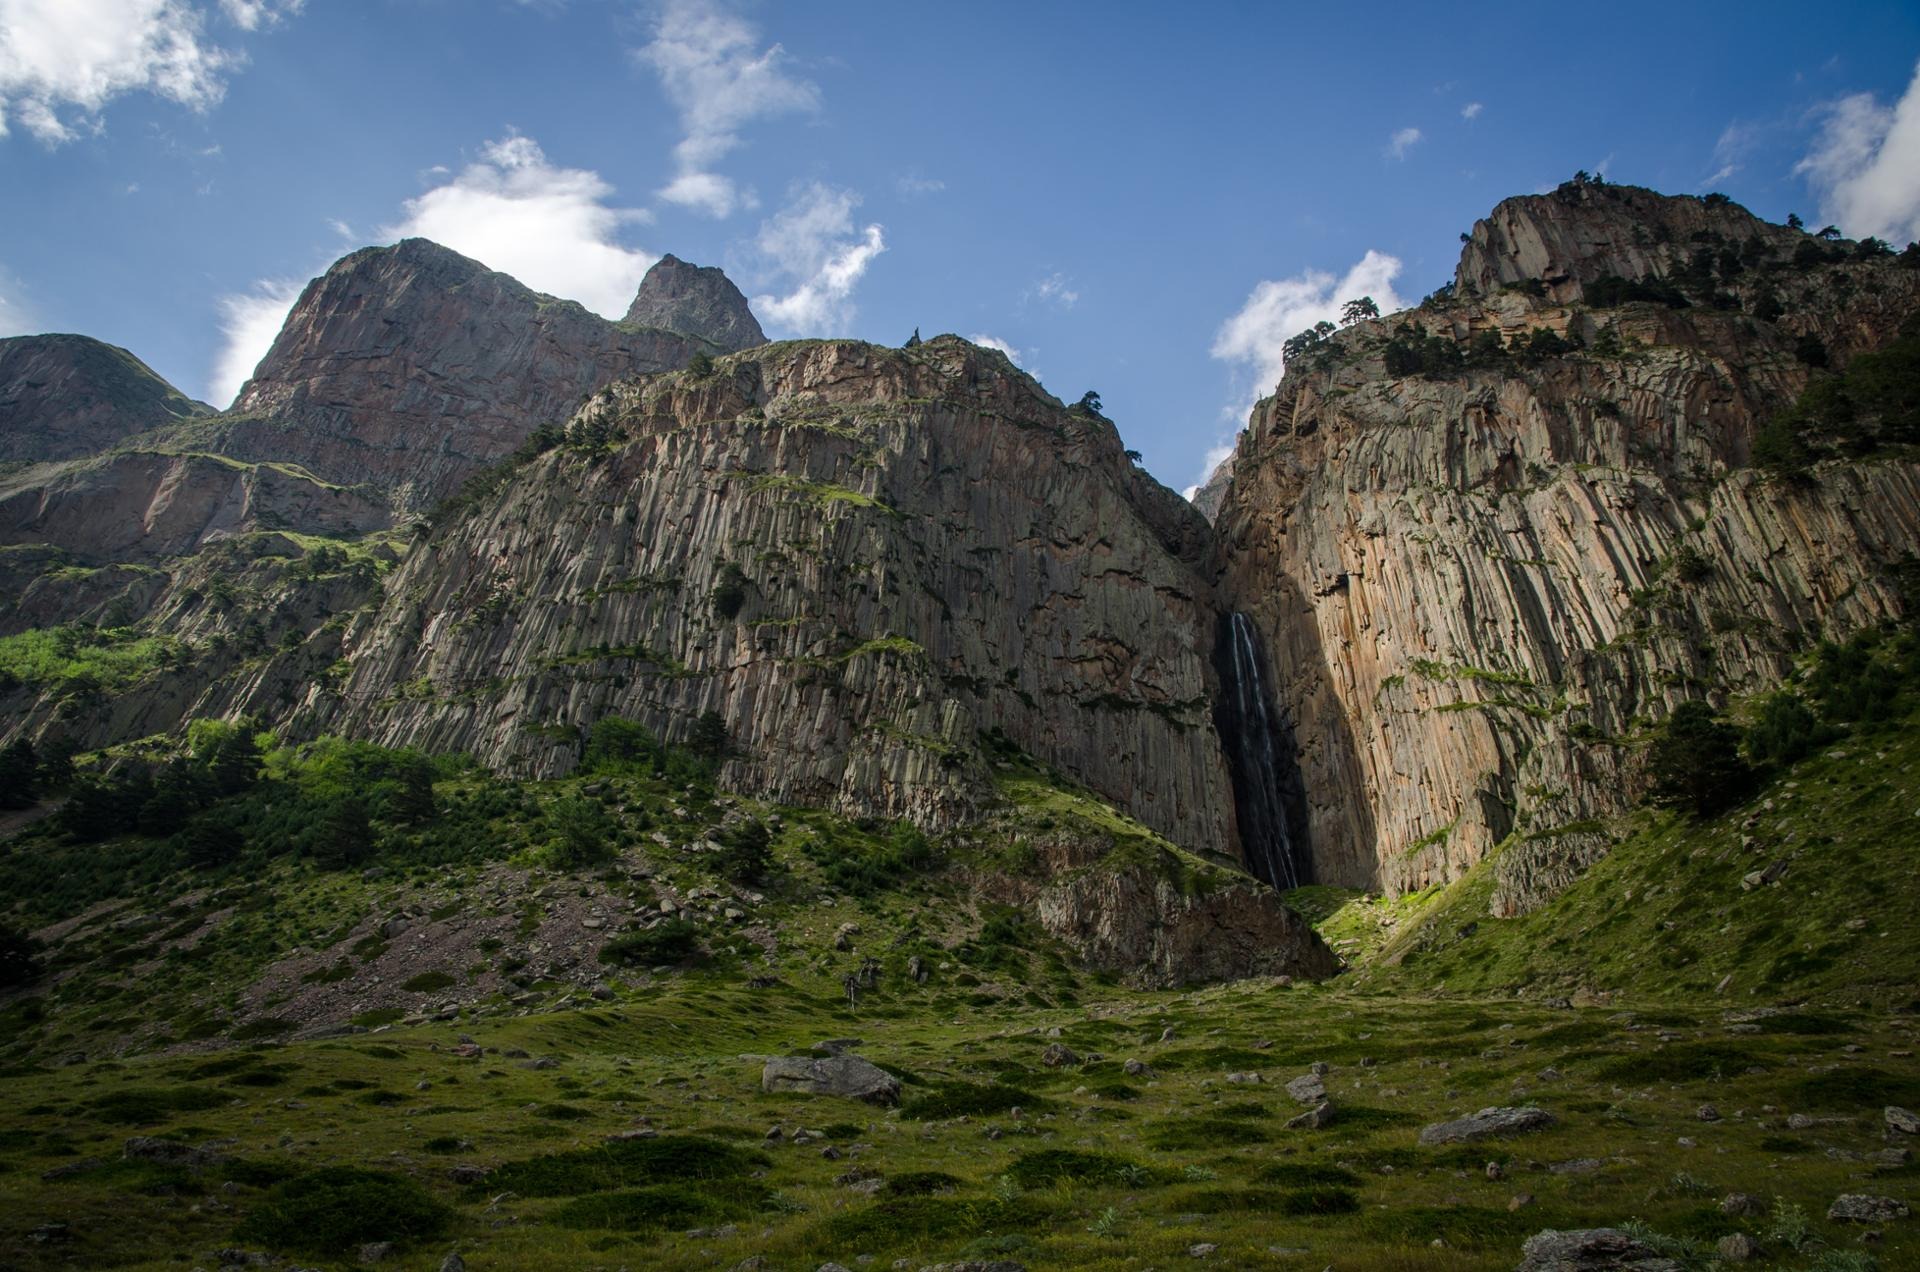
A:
(861, 558)
(1477, 586)
(412, 367)
(62, 397)
(695, 300)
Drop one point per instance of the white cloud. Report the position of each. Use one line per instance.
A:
(1216, 455)
(1471, 110)
(1401, 142)
(1056, 289)
(248, 324)
(995, 342)
(813, 243)
(1865, 168)
(708, 64)
(16, 319)
(1736, 140)
(251, 15)
(1276, 310)
(63, 61)
(550, 227)
(912, 186)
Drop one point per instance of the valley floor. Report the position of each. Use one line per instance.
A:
(502, 1139)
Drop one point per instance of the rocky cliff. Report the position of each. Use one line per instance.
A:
(412, 367)
(62, 397)
(695, 300)
(1485, 558)
(862, 558)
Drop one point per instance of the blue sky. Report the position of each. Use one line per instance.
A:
(1143, 199)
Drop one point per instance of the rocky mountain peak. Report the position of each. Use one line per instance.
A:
(1586, 230)
(63, 396)
(695, 300)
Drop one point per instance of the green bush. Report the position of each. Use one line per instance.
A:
(332, 1211)
(583, 834)
(667, 942)
(1695, 763)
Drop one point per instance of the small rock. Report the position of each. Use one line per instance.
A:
(1058, 1055)
(465, 1175)
(1707, 1113)
(1167, 1034)
(1243, 1078)
(602, 991)
(1861, 1208)
(1201, 1249)
(1520, 1201)
(1495, 1172)
(1138, 1069)
(376, 1252)
(1742, 1206)
(1317, 1118)
(1737, 1247)
(1902, 1120)
(453, 1263)
(49, 1233)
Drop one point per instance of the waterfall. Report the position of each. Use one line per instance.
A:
(1253, 738)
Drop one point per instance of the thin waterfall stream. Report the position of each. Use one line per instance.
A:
(1259, 753)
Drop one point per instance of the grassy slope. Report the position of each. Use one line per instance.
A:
(1665, 914)
(1189, 1156)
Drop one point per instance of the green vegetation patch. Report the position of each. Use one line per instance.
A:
(665, 1206)
(332, 1211)
(970, 1099)
(144, 1106)
(622, 1164)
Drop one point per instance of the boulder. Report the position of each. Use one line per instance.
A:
(1319, 1117)
(844, 1076)
(1590, 1250)
(1902, 1120)
(1489, 1123)
(1308, 1089)
(1863, 1208)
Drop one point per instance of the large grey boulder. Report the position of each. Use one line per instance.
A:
(1862, 1208)
(1590, 1250)
(1493, 1123)
(848, 1077)
(1308, 1088)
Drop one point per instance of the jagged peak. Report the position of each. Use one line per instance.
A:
(695, 300)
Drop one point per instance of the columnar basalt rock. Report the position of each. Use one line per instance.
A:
(1477, 590)
(862, 558)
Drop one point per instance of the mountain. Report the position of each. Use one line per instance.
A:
(62, 397)
(410, 368)
(1492, 538)
(695, 300)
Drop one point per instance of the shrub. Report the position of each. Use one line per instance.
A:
(622, 1164)
(700, 365)
(582, 832)
(1784, 730)
(729, 593)
(331, 1211)
(19, 775)
(967, 1099)
(666, 942)
(1695, 763)
(746, 854)
(19, 958)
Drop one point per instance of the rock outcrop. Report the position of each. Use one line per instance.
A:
(412, 367)
(63, 397)
(1585, 231)
(863, 559)
(1478, 587)
(695, 300)
(140, 505)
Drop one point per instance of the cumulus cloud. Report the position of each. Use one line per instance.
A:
(248, 323)
(550, 227)
(720, 80)
(1251, 339)
(1403, 141)
(1471, 110)
(812, 244)
(63, 61)
(995, 342)
(1865, 167)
